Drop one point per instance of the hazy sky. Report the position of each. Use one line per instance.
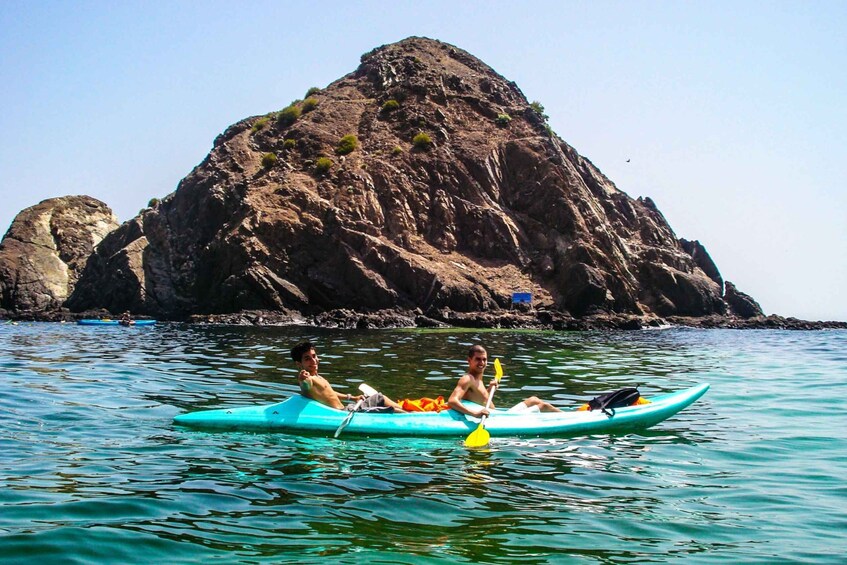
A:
(733, 115)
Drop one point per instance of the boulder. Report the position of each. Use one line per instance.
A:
(45, 250)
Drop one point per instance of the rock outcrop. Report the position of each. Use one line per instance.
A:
(423, 179)
(45, 249)
(740, 304)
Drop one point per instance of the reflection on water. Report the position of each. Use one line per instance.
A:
(94, 471)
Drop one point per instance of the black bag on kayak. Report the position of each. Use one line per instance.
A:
(616, 399)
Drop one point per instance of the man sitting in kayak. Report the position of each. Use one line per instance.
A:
(314, 386)
(471, 387)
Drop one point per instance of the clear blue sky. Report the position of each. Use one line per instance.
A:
(733, 114)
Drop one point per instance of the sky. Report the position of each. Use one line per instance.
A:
(730, 115)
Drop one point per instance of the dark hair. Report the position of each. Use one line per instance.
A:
(474, 349)
(298, 350)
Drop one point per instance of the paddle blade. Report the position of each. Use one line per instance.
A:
(478, 438)
(367, 390)
(498, 370)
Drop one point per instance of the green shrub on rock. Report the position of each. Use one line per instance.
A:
(289, 115)
(269, 160)
(260, 124)
(312, 90)
(289, 144)
(347, 144)
(323, 165)
(390, 106)
(422, 141)
(539, 109)
(397, 150)
(309, 104)
(503, 120)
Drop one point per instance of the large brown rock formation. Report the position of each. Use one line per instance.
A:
(495, 203)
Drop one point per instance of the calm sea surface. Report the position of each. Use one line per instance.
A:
(92, 469)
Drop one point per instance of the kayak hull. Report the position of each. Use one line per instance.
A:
(114, 322)
(300, 414)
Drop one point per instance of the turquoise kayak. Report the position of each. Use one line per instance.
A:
(114, 322)
(300, 414)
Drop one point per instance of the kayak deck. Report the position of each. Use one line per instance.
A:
(299, 413)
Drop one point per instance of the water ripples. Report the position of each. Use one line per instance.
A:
(94, 471)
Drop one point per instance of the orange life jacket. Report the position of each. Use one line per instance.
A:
(423, 404)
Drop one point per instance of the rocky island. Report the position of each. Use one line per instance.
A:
(421, 189)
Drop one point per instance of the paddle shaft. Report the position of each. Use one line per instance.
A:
(367, 391)
(488, 403)
(348, 418)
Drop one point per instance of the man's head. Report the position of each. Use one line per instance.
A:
(477, 359)
(298, 350)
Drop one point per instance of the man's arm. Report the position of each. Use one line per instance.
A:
(346, 396)
(305, 384)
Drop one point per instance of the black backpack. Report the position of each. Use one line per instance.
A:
(616, 399)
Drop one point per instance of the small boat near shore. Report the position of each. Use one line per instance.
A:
(300, 414)
(110, 322)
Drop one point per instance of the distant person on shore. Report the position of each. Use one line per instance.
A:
(314, 386)
(126, 319)
(471, 387)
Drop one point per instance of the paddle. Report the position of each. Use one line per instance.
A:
(480, 436)
(366, 391)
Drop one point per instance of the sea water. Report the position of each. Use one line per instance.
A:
(93, 470)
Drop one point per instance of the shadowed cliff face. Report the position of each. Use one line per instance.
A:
(494, 204)
(46, 248)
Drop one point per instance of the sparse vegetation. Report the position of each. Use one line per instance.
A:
(397, 150)
(390, 106)
(289, 115)
(313, 90)
(422, 141)
(153, 203)
(539, 109)
(289, 144)
(260, 124)
(323, 165)
(309, 104)
(269, 160)
(347, 144)
(503, 120)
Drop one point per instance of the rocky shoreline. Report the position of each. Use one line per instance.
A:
(499, 319)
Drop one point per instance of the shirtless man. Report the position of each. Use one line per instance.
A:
(470, 387)
(314, 386)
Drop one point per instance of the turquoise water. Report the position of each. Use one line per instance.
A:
(93, 471)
